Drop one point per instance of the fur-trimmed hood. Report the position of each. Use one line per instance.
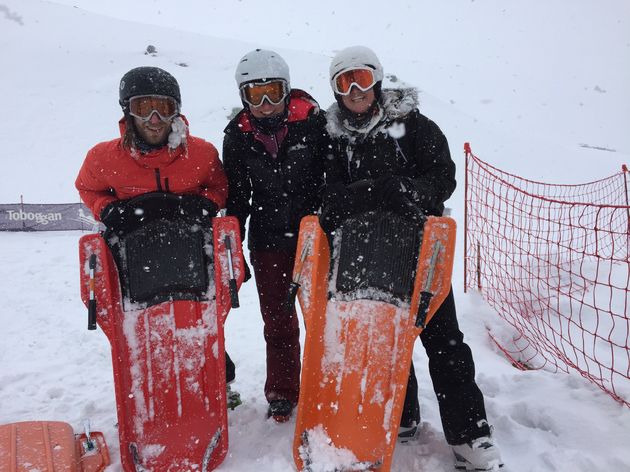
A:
(395, 104)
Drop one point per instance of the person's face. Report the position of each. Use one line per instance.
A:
(357, 101)
(154, 131)
(267, 110)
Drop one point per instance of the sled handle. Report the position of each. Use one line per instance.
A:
(426, 295)
(89, 444)
(294, 285)
(92, 295)
(232, 282)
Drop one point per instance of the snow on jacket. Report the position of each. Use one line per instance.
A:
(282, 189)
(400, 141)
(112, 172)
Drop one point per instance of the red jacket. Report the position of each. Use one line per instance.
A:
(111, 172)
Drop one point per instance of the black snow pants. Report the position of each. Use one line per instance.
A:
(452, 371)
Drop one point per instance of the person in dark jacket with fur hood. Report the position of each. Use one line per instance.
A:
(387, 156)
(272, 154)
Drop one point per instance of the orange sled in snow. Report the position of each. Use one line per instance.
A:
(50, 446)
(161, 294)
(363, 313)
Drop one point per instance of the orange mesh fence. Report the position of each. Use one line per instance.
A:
(553, 261)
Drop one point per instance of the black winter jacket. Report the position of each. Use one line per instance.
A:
(401, 142)
(282, 189)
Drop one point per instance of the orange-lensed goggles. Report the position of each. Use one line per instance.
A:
(363, 79)
(255, 93)
(143, 106)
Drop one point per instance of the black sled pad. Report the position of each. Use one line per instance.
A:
(377, 251)
(161, 261)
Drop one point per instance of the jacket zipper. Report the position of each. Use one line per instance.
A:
(158, 180)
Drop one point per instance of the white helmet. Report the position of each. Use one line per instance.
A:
(261, 64)
(355, 57)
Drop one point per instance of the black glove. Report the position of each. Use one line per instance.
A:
(392, 188)
(340, 202)
(199, 206)
(118, 214)
(336, 206)
(397, 194)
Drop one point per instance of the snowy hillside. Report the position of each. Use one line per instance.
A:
(539, 88)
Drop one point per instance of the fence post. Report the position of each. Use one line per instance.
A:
(22, 209)
(466, 153)
(624, 169)
(479, 266)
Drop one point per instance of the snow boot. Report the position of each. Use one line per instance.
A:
(408, 433)
(479, 454)
(280, 410)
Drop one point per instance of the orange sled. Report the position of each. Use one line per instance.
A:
(362, 318)
(164, 320)
(48, 446)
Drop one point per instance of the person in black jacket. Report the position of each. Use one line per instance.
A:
(387, 156)
(272, 155)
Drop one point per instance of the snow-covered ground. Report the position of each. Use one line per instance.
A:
(539, 88)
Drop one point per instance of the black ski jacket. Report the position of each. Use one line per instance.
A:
(400, 141)
(282, 189)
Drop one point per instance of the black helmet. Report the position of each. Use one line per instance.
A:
(148, 81)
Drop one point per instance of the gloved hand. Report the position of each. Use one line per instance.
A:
(209, 208)
(392, 187)
(335, 206)
(117, 214)
(199, 206)
(396, 193)
(340, 201)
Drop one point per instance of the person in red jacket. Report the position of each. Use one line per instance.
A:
(155, 153)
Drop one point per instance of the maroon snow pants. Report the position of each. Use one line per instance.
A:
(273, 270)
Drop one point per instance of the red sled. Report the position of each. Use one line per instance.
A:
(50, 446)
(363, 313)
(163, 314)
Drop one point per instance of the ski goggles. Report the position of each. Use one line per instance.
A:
(363, 79)
(255, 93)
(143, 106)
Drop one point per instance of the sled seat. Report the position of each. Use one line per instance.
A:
(163, 261)
(50, 446)
(377, 256)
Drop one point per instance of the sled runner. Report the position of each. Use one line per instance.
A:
(161, 293)
(50, 446)
(362, 318)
